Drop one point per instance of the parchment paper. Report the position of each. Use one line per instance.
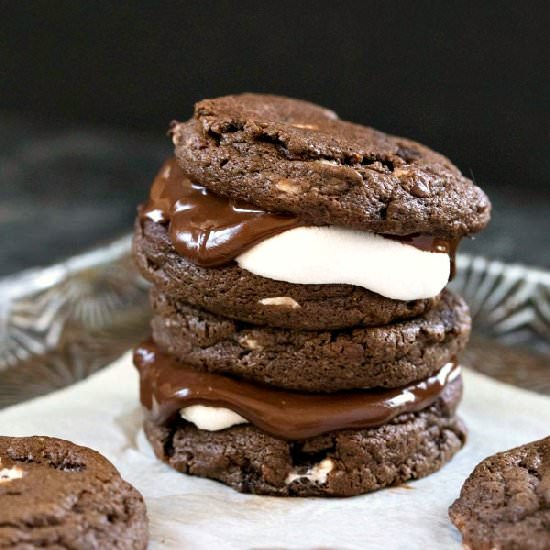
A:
(102, 412)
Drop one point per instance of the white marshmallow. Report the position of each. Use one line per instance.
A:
(330, 254)
(211, 418)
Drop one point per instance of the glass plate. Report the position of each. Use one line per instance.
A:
(61, 323)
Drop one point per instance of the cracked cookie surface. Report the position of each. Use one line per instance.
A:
(55, 494)
(505, 502)
(287, 155)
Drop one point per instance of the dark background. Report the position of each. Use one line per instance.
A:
(88, 89)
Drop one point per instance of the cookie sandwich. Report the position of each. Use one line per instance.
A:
(303, 341)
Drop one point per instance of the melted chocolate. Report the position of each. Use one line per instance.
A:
(168, 386)
(430, 243)
(211, 230)
(208, 229)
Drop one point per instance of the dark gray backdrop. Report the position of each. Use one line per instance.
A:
(470, 79)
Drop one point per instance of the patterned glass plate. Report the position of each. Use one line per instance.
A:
(64, 322)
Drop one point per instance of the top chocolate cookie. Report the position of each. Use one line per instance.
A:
(288, 155)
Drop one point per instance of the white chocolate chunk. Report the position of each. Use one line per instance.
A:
(318, 473)
(284, 301)
(9, 474)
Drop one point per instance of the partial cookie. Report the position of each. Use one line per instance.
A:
(285, 155)
(316, 361)
(55, 494)
(236, 293)
(505, 503)
(340, 463)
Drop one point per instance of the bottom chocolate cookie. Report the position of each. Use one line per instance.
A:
(505, 503)
(55, 494)
(338, 463)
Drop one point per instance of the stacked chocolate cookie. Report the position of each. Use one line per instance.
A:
(303, 342)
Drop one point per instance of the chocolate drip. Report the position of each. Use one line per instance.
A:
(431, 243)
(211, 230)
(208, 229)
(168, 386)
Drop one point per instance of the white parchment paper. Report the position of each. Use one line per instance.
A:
(102, 412)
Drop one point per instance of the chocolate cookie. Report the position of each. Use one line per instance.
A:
(339, 463)
(316, 361)
(505, 503)
(238, 294)
(285, 155)
(55, 494)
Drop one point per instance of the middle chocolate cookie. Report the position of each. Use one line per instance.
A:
(235, 292)
(318, 361)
